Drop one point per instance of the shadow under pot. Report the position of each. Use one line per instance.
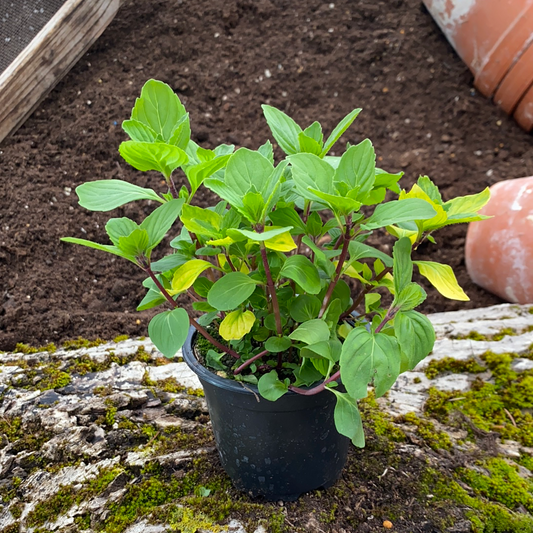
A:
(277, 450)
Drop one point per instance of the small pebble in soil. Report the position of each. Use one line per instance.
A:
(387, 524)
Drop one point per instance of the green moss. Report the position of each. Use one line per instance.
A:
(426, 430)
(13, 528)
(503, 484)
(473, 336)
(330, 516)
(449, 364)
(103, 390)
(170, 385)
(187, 520)
(378, 421)
(503, 333)
(78, 343)
(417, 380)
(485, 516)
(49, 510)
(25, 349)
(120, 338)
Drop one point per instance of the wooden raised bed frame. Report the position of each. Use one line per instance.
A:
(49, 56)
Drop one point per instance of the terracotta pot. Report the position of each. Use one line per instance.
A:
(494, 38)
(499, 251)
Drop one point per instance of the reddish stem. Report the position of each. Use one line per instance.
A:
(250, 361)
(200, 329)
(338, 271)
(271, 290)
(318, 388)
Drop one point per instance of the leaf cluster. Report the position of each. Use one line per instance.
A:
(280, 266)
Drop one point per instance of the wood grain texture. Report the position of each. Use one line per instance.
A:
(49, 56)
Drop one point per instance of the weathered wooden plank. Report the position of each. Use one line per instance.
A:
(49, 56)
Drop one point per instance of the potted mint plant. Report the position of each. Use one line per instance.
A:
(299, 314)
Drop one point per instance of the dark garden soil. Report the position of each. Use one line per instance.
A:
(312, 59)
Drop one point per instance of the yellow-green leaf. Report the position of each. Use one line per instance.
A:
(187, 274)
(281, 243)
(438, 221)
(443, 279)
(236, 325)
(226, 241)
(400, 232)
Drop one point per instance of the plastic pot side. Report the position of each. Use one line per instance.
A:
(277, 450)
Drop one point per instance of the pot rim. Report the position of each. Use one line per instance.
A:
(205, 374)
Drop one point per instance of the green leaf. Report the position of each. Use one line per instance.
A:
(315, 132)
(120, 227)
(359, 250)
(388, 180)
(265, 235)
(330, 350)
(139, 132)
(348, 419)
(104, 195)
(206, 319)
(311, 332)
(248, 171)
(368, 357)
(403, 266)
(341, 127)
(267, 151)
(223, 190)
(214, 360)
(202, 286)
(304, 307)
(311, 172)
(283, 128)
(286, 216)
(415, 334)
(308, 144)
(151, 299)
(372, 302)
(236, 325)
(159, 108)
(204, 307)
(168, 331)
(314, 224)
(443, 279)
(357, 168)
(411, 296)
(200, 221)
(278, 344)
(300, 269)
(230, 291)
(159, 222)
(104, 247)
(135, 244)
(430, 189)
(270, 387)
(181, 135)
(341, 205)
(253, 207)
(198, 173)
(399, 211)
(465, 208)
(162, 157)
(169, 262)
(187, 274)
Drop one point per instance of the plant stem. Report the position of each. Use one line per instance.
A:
(307, 210)
(388, 316)
(200, 329)
(318, 388)
(230, 263)
(271, 290)
(172, 187)
(338, 271)
(359, 298)
(249, 362)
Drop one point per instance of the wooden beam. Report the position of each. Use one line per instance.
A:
(49, 56)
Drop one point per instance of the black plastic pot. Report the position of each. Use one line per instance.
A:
(279, 449)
